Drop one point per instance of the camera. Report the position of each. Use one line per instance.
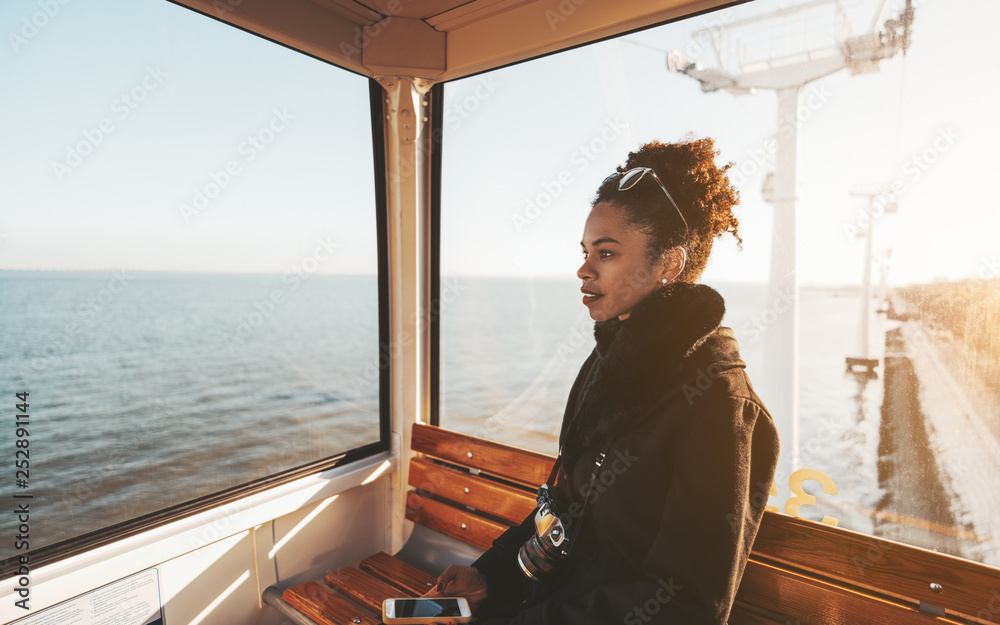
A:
(550, 545)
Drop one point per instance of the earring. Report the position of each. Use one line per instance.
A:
(664, 281)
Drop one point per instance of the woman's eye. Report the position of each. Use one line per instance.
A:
(605, 254)
(585, 255)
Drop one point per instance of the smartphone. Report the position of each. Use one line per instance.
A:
(426, 610)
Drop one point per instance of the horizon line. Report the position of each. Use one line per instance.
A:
(809, 284)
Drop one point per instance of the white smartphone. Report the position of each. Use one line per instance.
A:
(426, 610)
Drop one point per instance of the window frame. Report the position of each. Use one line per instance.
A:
(83, 543)
(436, 389)
(437, 142)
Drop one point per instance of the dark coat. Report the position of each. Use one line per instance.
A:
(691, 454)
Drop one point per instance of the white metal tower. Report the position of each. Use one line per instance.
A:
(862, 362)
(784, 50)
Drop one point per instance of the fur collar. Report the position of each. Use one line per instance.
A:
(639, 358)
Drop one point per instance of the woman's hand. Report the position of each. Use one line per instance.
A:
(461, 581)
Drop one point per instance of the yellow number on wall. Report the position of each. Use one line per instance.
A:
(801, 497)
(774, 493)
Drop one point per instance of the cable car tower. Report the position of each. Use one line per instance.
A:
(862, 364)
(813, 41)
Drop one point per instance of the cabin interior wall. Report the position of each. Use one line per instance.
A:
(473, 37)
(317, 540)
(545, 26)
(300, 24)
(220, 577)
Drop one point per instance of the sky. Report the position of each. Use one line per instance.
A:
(923, 123)
(281, 142)
(171, 107)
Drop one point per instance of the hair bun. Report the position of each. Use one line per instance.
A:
(700, 188)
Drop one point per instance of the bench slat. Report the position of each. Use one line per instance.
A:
(441, 517)
(362, 588)
(809, 600)
(509, 503)
(326, 608)
(518, 465)
(881, 565)
(394, 571)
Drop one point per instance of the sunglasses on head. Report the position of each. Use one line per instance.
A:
(632, 177)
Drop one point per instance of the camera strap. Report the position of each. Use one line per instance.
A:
(551, 480)
(598, 463)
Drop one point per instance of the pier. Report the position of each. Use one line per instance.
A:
(939, 449)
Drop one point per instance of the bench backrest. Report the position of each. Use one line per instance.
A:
(473, 489)
(470, 488)
(925, 582)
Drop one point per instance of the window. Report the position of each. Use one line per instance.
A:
(901, 144)
(189, 261)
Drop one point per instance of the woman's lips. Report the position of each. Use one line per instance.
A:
(589, 297)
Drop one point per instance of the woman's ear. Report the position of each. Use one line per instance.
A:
(674, 260)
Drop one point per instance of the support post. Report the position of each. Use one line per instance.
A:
(780, 390)
(864, 332)
(407, 152)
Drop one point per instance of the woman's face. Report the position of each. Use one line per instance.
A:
(616, 272)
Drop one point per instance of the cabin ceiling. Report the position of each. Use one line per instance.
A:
(440, 40)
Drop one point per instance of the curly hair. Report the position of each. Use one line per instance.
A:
(701, 189)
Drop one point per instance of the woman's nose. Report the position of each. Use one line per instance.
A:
(584, 271)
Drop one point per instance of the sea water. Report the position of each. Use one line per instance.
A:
(149, 390)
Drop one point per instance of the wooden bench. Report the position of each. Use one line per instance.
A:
(799, 572)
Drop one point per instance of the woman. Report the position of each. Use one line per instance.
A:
(689, 451)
